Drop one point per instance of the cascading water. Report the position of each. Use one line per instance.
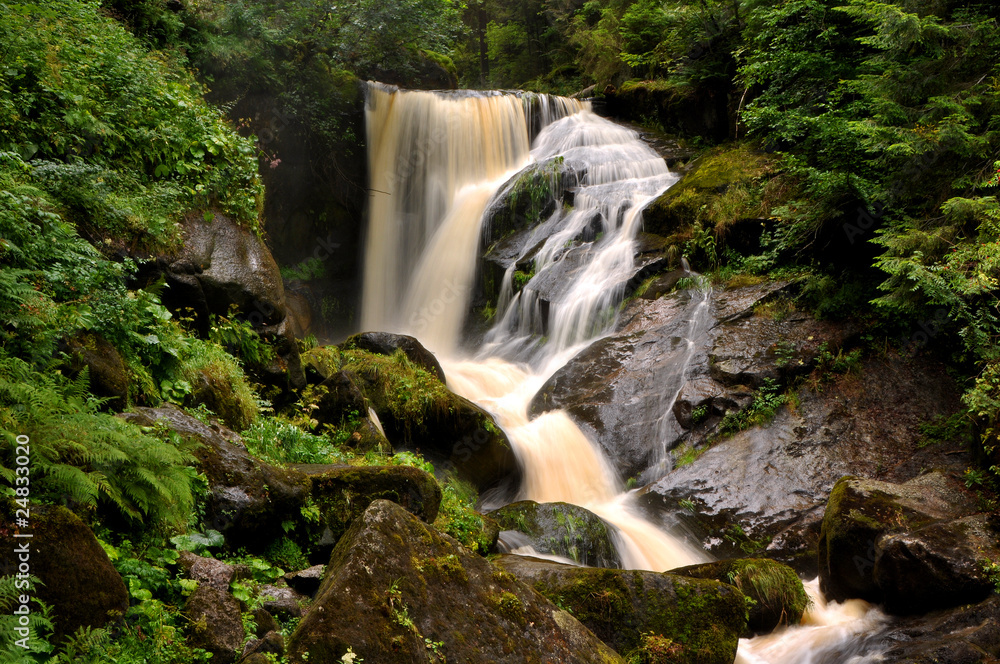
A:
(436, 161)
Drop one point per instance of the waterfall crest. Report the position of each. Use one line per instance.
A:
(435, 159)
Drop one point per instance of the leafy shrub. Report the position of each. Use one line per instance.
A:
(276, 440)
(126, 137)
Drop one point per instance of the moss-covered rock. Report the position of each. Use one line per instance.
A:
(777, 592)
(215, 622)
(79, 582)
(248, 500)
(417, 411)
(343, 493)
(703, 617)
(859, 512)
(396, 590)
(561, 529)
(716, 190)
(386, 343)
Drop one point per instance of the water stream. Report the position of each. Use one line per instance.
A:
(437, 160)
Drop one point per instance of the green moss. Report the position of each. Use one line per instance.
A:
(219, 383)
(705, 617)
(511, 607)
(394, 384)
(721, 187)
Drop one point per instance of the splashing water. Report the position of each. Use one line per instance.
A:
(436, 162)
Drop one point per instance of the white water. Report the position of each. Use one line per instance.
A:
(436, 160)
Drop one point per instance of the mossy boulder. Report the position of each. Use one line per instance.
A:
(776, 590)
(215, 623)
(860, 512)
(704, 618)
(701, 193)
(418, 412)
(386, 343)
(79, 582)
(561, 529)
(248, 500)
(343, 493)
(397, 590)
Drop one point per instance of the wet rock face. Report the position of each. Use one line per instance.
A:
(704, 617)
(80, 583)
(248, 499)
(618, 388)
(958, 636)
(763, 491)
(905, 545)
(394, 585)
(675, 366)
(561, 529)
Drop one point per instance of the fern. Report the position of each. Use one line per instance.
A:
(39, 624)
(88, 457)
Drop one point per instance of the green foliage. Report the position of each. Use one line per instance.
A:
(88, 457)
(944, 429)
(278, 441)
(308, 270)
(125, 140)
(240, 339)
(39, 622)
(766, 402)
(457, 516)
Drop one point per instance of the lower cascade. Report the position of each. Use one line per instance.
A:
(440, 162)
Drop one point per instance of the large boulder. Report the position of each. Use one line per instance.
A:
(248, 500)
(763, 491)
(78, 580)
(940, 565)
(417, 411)
(386, 343)
(222, 265)
(396, 590)
(561, 529)
(859, 527)
(776, 590)
(702, 618)
(343, 493)
(109, 375)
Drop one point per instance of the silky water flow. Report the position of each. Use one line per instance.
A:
(436, 162)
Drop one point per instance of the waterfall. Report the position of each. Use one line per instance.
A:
(437, 160)
(434, 162)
